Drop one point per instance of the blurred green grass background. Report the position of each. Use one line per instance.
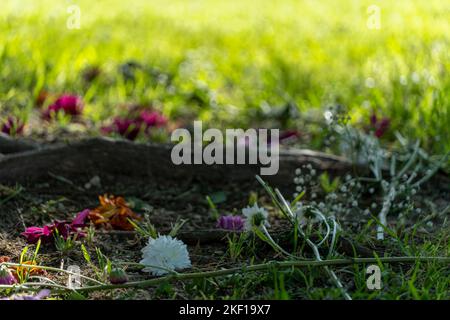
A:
(222, 60)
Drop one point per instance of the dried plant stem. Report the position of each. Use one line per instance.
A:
(382, 217)
(27, 266)
(330, 272)
(261, 267)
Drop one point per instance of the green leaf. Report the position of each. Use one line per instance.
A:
(86, 255)
(36, 252)
(74, 295)
(327, 185)
(214, 211)
(297, 199)
(218, 197)
(22, 255)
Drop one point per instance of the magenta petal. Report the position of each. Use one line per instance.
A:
(48, 230)
(69, 104)
(63, 228)
(33, 234)
(128, 128)
(80, 219)
(153, 119)
(34, 230)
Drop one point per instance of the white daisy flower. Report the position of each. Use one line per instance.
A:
(255, 216)
(165, 254)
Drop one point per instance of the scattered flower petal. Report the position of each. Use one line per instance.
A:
(64, 228)
(113, 213)
(41, 295)
(6, 276)
(80, 219)
(165, 254)
(153, 119)
(235, 223)
(127, 128)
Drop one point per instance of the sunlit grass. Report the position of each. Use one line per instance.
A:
(239, 55)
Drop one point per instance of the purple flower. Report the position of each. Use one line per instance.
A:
(41, 295)
(234, 223)
(373, 120)
(379, 126)
(69, 104)
(6, 277)
(382, 127)
(12, 126)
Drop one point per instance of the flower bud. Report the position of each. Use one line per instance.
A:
(118, 276)
(6, 277)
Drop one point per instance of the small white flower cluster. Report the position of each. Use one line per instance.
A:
(305, 180)
(165, 254)
(255, 216)
(345, 199)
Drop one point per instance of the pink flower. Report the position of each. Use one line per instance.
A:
(153, 119)
(63, 228)
(130, 128)
(69, 104)
(379, 127)
(12, 126)
(33, 234)
(234, 223)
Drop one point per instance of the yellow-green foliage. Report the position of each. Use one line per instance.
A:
(241, 53)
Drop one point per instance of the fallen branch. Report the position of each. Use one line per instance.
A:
(145, 162)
